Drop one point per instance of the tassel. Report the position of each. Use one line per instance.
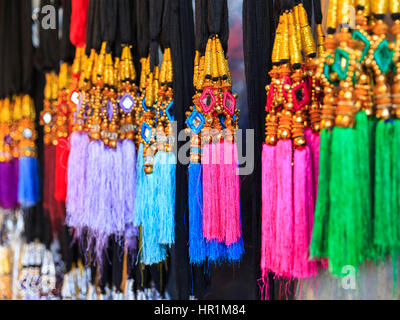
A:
(384, 223)
(152, 251)
(128, 189)
(9, 184)
(164, 166)
(147, 214)
(313, 142)
(319, 244)
(140, 200)
(77, 165)
(197, 243)
(234, 251)
(28, 184)
(363, 142)
(395, 183)
(62, 154)
(269, 189)
(93, 182)
(199, 248)
(108, 219)
(347, 230)
(342, 195)
(284, 209)
(212, 228)
(230, 193)
(303, 213)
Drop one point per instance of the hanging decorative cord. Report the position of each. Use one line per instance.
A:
(212, 122)
(355, 221)
(81, 28)
(291, 149)
(154, 212)
(19, 172)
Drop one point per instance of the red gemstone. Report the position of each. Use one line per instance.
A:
(207, 100)
(229, 103)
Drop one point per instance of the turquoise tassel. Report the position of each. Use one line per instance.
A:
(164, 168)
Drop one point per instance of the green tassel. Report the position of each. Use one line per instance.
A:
(384, 223)
(363, 142)
(395, 185)
(350, 219)
(319, 244)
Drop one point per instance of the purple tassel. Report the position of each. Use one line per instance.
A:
(93, 183)
(109, 216)
(9, 184)
(76, 197)
(128, 190)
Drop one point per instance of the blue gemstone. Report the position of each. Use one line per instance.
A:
(146, 132)
(195, 121)
(168, 111)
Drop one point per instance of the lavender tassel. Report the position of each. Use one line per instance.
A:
(93, 184)
(77, 163)
(128, 189)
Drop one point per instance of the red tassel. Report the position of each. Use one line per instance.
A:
(283, 265)
(54, 209)
(303, 213)
(49, 202)
(62, 154)
(268, 211)
(78, 22)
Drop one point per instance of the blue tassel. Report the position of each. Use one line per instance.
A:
(164, 168)
(197, 244)
(234, 252)
(28, 183)
(199, 248)
(216, 252)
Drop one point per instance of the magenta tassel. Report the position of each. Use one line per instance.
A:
(77, 163)
(230, 193)
(303, 213)
(211, 200)
(313, 141)
(269, 189)
(284, 209)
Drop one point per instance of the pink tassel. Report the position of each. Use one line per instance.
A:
(283, 265)
(229, 194)
(268, 211)
(303, 213)
(211, 198)
(313, 140)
